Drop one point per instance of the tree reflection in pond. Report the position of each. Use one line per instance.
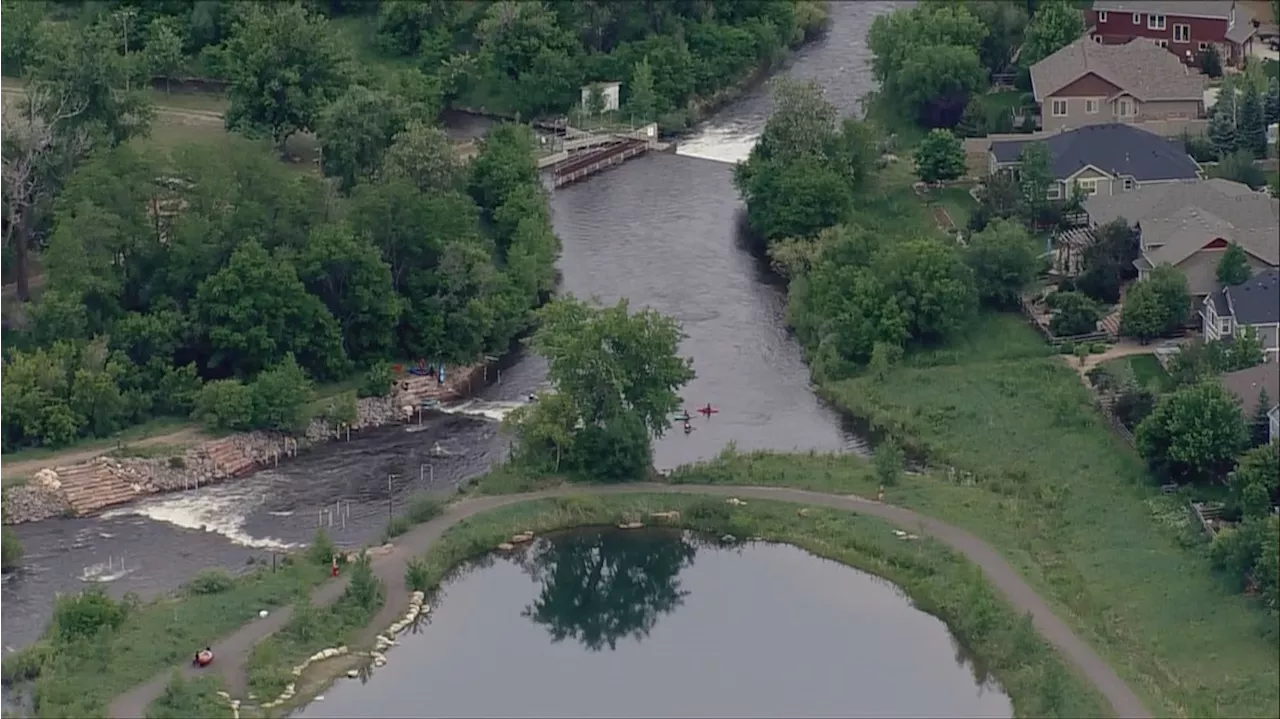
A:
(599, 587)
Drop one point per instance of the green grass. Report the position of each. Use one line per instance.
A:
(1146, 371)
(937, 580)
(78, 678)
(153, 427)
(185, 698)
(1003, 102)
(1038, 474)
(957, 201)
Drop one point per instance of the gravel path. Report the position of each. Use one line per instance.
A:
(233, 651)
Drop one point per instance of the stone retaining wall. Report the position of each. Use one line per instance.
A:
(44, 497)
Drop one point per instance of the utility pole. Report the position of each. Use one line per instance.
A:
(390, 499)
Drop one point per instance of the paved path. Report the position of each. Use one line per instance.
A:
(1123, 348)
(182, 437)
(233, 651)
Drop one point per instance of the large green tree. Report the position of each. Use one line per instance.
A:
(286, 67)
(1055, 24)
(1193, 434)
(617, 376)
(1003, 260)
(1157, 305)
(355, 132)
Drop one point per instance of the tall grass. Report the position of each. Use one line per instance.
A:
(938, 580)
(1023, 460)
(185, 698)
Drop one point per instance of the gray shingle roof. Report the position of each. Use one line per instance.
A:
(1201, 8)
(1169, 212)
(1247, 384)
(1139, 67)
(1257, 300)
(1115, 148)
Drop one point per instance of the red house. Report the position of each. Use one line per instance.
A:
(1186, 27)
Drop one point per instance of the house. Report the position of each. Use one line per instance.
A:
(1186, 28)
(1189, 225)
(1248, 385)
(1086, 83)
(1103, 160)
(1255, 304)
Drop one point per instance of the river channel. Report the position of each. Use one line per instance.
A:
(660, 230)
(664, 624)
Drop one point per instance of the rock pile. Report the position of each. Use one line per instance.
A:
(33, 502)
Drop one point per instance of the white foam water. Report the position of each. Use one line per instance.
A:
(727, 144)
(221, 509)
(496, 411)
(108, 571)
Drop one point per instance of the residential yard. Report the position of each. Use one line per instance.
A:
(957, 202)
(1029, 465)
(1146, 370)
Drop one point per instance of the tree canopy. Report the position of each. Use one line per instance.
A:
(616, 377)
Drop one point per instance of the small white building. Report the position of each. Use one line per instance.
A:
(607, 89)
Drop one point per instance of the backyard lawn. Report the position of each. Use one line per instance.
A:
(1146, 370)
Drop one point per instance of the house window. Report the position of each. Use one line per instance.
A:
(1054, 191)
(1091, 107)
(1087, 187)
(1137, 18)
(1059, 108)
(1155, 22)
(1097, 39)
(1204, 46)
(1181, 33)
(1102, 16)
(1123, 107)
(1224, 325)
(1162, 43)
(1128, 184)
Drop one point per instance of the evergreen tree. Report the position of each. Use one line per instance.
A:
(1222, 130)
(1271, 103)
(1211, 62)
(1260, 423)
(1233, 266)
(1251, 127)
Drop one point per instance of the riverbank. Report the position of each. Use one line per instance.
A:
(390, 568)
(55, 490)
(1023, 460)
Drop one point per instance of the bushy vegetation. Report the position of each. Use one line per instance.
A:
(313, 628)
(215, 280)
(95, 645)
(196, 697)
(11, 548)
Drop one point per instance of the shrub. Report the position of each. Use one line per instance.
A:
(10, 549)
(363, 590)
(888, 462)
(84, 615)
(417, 575)
(376, 382)
(280, 397)
(211, 581)
(396, 526)
(26, 663)
(224, 404)
(424, 509)
(322, 548)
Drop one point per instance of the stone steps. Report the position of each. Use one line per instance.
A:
(1111, 324)
(228, 459)
(92, 486)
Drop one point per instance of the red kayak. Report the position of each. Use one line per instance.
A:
(708, 410)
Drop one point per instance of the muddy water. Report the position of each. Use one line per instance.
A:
(659, 230)
(664, 625)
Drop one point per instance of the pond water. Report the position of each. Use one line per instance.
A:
(654, 624)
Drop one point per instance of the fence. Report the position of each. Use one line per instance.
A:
(1037, 321)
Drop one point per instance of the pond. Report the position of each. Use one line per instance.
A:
(654, 623)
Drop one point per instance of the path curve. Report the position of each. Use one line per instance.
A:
(233, 651)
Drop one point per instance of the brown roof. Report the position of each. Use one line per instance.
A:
(1139, 67)
(1247, 384)
(1183, 216)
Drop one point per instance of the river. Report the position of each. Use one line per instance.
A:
(661, 230)
(665, 624)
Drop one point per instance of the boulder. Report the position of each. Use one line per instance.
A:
(521, 538)
(506, 547)
(630, 525)
(48, 479)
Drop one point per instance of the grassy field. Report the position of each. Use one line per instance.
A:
(79, 677)
(1026, 463)
(154, 427)
(956, 200)
(938, 580)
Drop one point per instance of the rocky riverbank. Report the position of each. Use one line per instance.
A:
(46, 495)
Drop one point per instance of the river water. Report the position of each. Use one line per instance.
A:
(660, 624)
(661, 230)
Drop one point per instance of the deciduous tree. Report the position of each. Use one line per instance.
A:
(1157, 305)
(422, 154)
(287, 66)
(640, 94)
(1004, 262)
(1055, 24)
(1233, 266)
(163, 49)
(355, 132)
(940, 156)
(1193, 434)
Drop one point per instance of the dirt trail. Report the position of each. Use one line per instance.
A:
(181, 437)
(187, 116)
(1124, 348)
(233, 651)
